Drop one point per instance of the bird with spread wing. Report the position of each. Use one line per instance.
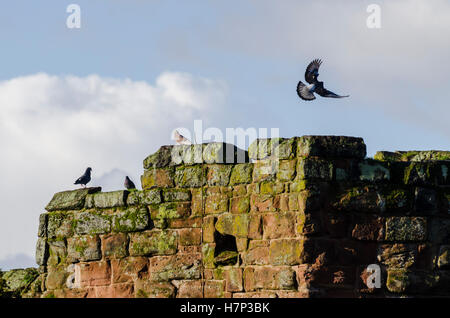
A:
(306, 92)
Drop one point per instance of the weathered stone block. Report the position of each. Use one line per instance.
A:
(115, 245)
(94, 274)
(126, 270)
(406, 229)
(165, 268)
(287, 170)
(240, 204)
(158, 178)
(314, 169)
(208, 229)
(262, 148)
(57, 251)
(417, 156)
(41, 251)
(216, 203)
(332, 276)
(190, 236)
(190, 177)
(146, 289)
(262, 203)
(171, 195)
(265, 277)
(361, 199)
(131, 220)
(208, 250)
(70, 200)
(271, 188)
(398, 200)
(170, 210)
(18, 280)
(218, 152)
(91, 222)
(214, 289)
(421, 173)
(109, 199)
(255, 229)
(373, 171)
(368, 228)
(401, 256)
(115, 291)
(154, 242)
(188, 288)
(285, 251)
(233, 224)
(56, 277)
(218, 175)
(191, 222)
(161, 158)
(43, 220)
(265, 170)
(60, 224)
(413, 282)
(331, 147)
(308, 223)
(233, 279)
(278, 225)
(83, 248)
(241, 173)
(257, 253)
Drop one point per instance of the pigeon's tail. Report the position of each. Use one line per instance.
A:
(304, 92)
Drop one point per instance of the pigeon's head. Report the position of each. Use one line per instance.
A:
(89, 169)
(126, 177)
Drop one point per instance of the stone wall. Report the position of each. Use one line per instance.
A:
(305, 218)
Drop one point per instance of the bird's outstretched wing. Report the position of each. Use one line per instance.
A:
(322, 91)
(304, 92)
(312, 71)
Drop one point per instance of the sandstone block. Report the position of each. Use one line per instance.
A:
(406, 229)
(331, 147)
(153, 242)
(131, 220)
(70, 200)
(91, 222)
(158, 178)
(115, 245)
(83, 248)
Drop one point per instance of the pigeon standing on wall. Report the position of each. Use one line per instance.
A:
(180, 139)
(85, 178)
(129, 185)
(305, 92)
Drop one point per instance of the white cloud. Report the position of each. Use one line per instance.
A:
(53, 127)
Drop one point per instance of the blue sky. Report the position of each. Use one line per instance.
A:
(109, 93)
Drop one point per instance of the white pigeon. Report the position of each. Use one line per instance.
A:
(180, 139)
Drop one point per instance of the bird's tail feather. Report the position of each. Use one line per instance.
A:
(304, 92)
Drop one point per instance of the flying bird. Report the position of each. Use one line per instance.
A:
(129, 184)
(306, 92)
(85, 178)
(180, 139)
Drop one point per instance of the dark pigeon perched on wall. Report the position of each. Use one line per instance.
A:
(129, 184)
(306, 92)
(85, 178)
